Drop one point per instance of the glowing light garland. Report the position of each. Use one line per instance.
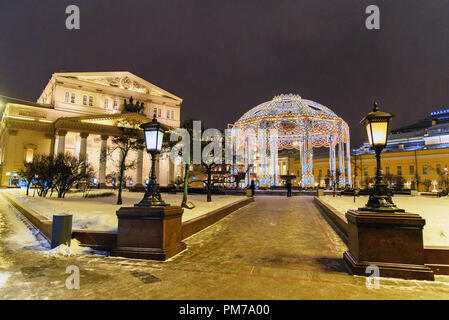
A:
(299, 120)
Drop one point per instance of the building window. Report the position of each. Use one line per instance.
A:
(106, 103)
(438, 168)
(29, 155)
(72, 100)
(67, 97)
(365, 172)
(172, 115)
(91, 101)
(399, 170)
(115, 104)
(424, 169)
(85, 100)
(154, 112)
(387, 170)
(412, 169)
(159, 113)
(168, 114)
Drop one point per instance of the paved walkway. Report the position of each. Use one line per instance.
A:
(275, 248)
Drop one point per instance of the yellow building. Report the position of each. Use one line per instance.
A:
(418, 152)
(79, 113)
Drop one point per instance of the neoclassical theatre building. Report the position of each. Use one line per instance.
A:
(78, 113)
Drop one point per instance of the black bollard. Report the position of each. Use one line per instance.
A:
(62, 230)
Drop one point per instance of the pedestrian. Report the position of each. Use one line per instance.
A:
(253, 187)
(289, 188)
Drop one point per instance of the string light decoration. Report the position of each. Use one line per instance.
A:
(301, 124)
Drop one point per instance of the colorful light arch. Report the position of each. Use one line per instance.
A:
(301, 124)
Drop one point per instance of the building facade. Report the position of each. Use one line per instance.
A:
(419, 153)
(79, 113)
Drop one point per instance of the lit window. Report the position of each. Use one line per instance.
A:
(85, 100)
(91, 101)
(29, 155)
(67, 97)
(72, 100)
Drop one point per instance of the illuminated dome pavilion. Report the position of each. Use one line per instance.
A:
(301, 125)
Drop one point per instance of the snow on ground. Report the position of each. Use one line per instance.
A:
(23, 236)
(434, 210)
(99, 213)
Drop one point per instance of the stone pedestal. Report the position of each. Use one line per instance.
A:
(153, 233)
(391, 241)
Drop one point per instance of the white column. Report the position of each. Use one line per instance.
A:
(61, 141)
(139, 170)
(83, 146)
(103, 159)
(171, 171)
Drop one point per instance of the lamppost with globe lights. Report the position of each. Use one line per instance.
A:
(154, 137)
(380, 234)
(151, 229)
(377, 127)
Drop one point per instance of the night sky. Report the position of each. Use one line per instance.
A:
(225, 57)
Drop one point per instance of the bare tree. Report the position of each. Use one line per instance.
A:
(70, 170)
(130, 139)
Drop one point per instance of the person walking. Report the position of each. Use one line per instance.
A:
(253, 188)
(288, 184)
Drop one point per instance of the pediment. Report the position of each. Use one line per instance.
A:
(122, 80)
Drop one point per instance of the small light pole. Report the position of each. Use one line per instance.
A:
(154, 134)
(377, 128)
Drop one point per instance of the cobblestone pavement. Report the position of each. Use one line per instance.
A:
(275, 248)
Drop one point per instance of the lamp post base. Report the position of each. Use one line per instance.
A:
(391, 241)
(153, 233)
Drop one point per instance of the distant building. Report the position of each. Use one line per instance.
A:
(418, 152)
(78, 113)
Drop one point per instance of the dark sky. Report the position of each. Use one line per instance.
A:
(225, 57)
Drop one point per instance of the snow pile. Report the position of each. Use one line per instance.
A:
(3, 278)
(434, 210)
(99, 213)
(66, 251)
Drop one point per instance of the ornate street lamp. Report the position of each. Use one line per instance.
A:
(154, 134)
(377, 126)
